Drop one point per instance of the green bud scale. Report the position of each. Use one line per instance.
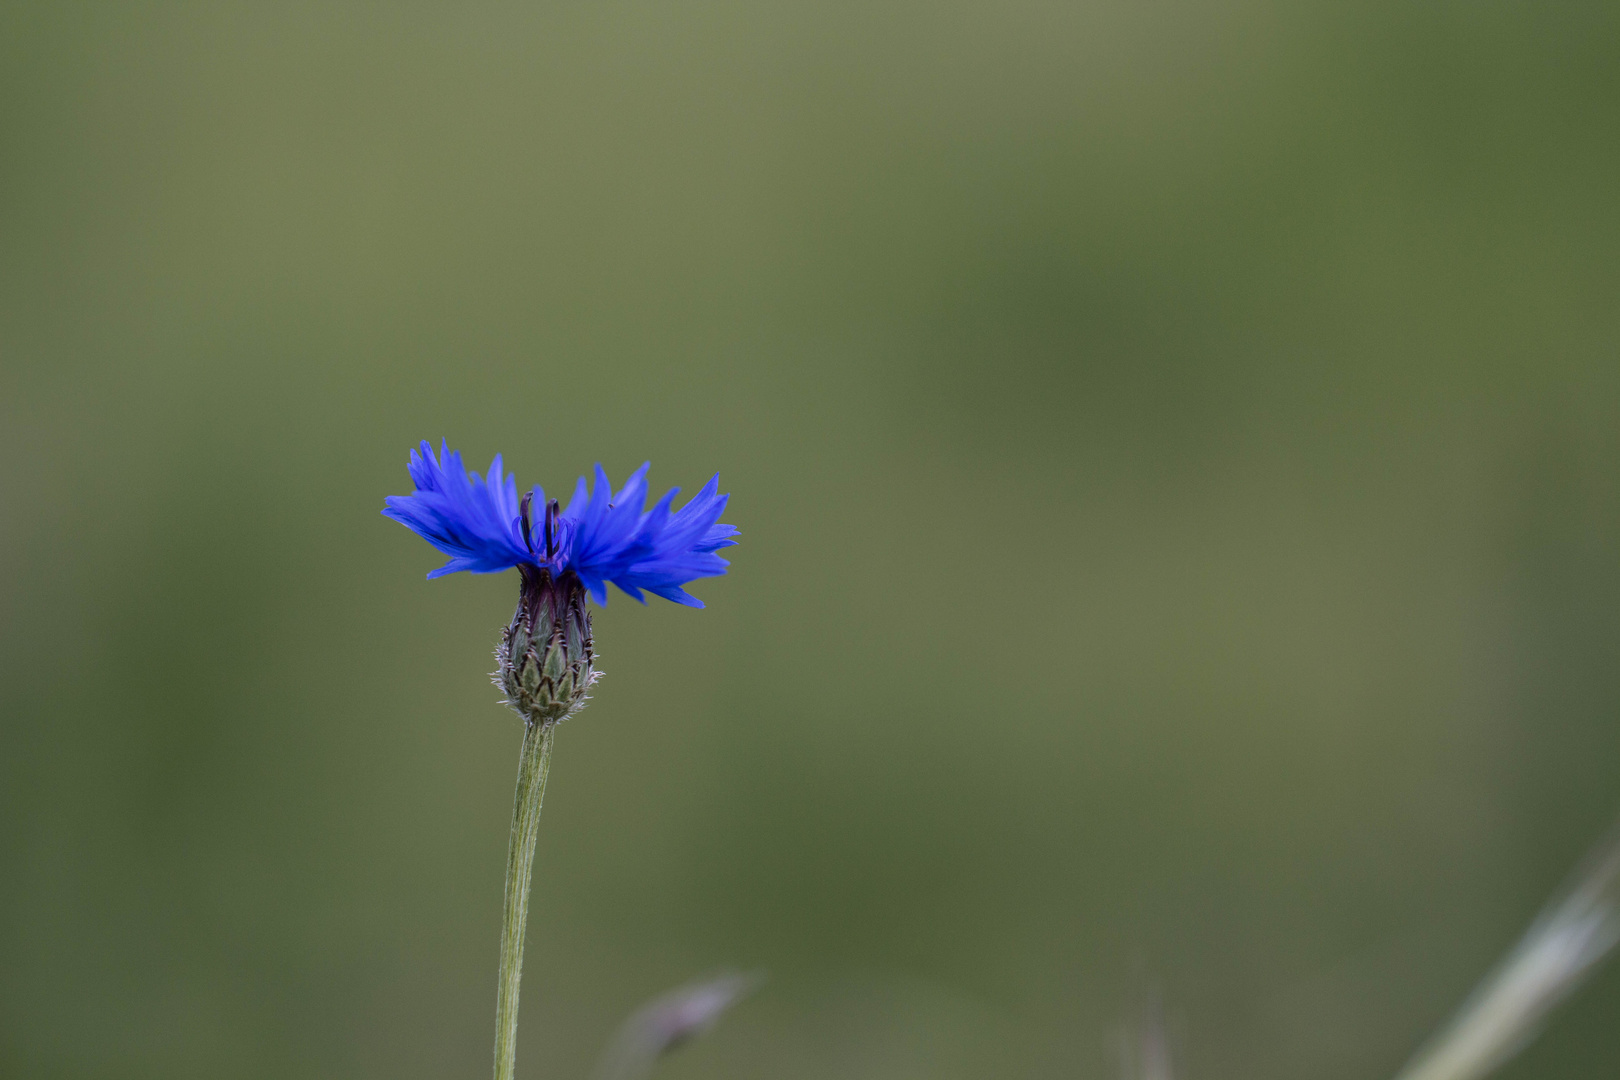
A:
(546, 659)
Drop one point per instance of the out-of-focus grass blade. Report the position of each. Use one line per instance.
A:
(1147, 1046)
(668, 1021)
(1571, 935)
(1153, 1060)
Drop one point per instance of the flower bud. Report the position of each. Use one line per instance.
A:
(546, 660)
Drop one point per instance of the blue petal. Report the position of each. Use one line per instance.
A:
(468, 518)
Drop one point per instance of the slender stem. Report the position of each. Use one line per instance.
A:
(531, 785)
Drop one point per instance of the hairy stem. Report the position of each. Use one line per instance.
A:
(531, 785)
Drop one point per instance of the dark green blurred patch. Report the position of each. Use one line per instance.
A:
(1175, 449)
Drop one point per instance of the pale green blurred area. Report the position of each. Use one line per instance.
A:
(1177, 450)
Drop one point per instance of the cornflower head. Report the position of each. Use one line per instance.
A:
(546, 659)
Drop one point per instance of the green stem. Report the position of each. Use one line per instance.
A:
(531, 785)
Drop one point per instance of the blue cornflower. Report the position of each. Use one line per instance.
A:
(600, 537)
(546, 659)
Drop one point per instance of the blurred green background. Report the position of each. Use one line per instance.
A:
(1177, 449)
